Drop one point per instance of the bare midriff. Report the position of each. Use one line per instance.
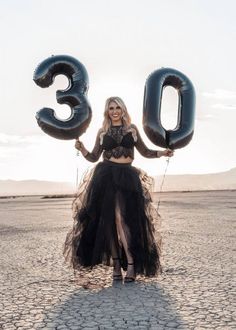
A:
(121, 160)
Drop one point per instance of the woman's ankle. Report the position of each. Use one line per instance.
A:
(130, 270)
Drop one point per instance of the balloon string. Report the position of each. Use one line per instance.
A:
(77, 171)
(163, 179)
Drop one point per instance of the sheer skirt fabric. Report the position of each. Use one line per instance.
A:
(94, 238)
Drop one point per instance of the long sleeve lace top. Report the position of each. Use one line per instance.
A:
(117, 142)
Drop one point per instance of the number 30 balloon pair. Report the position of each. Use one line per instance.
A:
(76, 97)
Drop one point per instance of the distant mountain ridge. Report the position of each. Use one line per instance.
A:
(213, 181)
(34, 187)
(187, 182)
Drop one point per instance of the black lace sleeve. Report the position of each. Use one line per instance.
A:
(97, 150)
(142, 148)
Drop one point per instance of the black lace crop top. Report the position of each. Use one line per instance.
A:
(117, 142)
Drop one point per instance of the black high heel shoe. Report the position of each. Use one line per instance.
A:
(117, 277)
(129, 279)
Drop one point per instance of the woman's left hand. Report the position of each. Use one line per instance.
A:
(168, 153)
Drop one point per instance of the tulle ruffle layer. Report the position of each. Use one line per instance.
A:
(104, 188)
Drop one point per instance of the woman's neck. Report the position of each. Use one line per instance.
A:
(116, 124)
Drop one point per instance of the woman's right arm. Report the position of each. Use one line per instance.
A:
(96, 152)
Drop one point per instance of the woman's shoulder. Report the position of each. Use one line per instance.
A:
(100, 134)
(134, 130)
(133, 126)
(100, 130)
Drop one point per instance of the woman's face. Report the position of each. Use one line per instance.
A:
(115, 113)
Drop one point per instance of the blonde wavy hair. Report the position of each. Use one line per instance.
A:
(125, 117)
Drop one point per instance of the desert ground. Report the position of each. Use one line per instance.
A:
(195, 291)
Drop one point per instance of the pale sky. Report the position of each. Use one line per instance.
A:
(120, 43)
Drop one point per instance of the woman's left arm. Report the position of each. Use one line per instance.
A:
(149, 153)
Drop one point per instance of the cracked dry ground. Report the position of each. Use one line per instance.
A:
(195, 291)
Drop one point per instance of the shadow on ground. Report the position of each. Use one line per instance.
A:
(138, 305)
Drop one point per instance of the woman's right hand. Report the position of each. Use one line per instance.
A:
(79, 145)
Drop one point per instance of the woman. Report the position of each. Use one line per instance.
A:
(113, 212)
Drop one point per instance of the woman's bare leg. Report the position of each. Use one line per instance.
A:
(116, 258)
(124, 235)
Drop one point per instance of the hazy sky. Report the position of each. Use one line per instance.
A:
(120, 43)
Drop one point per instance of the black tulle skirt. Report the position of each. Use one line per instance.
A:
(104, 188)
